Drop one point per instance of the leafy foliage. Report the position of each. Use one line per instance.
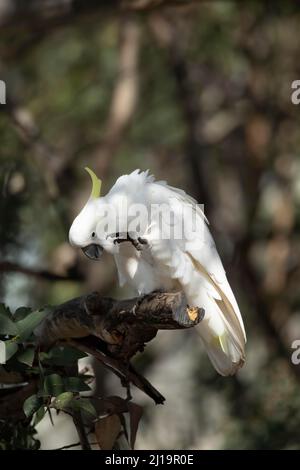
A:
(58, 386)
(49, 370)
(17, 436)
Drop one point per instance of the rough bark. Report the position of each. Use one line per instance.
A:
(113, 331)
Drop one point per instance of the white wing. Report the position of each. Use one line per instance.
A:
(196, 265)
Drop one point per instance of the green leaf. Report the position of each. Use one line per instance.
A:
(40, 413)
(53, 385)
(7, 324)
(4, 310)
(30, 322)
(43, 356)
(76, 384)
(27, 356)
(32, 404)
(21, 313)
(64, 401)
(11, 347)
(85, 405)
(68, 402)
(62, 356)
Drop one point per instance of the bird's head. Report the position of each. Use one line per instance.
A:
(86, 231)
(103, 219)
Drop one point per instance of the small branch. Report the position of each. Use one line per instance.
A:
(125, 372)
(69, 446)
(78, 422)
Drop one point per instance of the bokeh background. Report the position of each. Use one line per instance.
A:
(200, 94)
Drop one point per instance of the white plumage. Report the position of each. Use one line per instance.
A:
(191, 264)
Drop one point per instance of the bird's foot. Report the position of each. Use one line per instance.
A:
(138, 243)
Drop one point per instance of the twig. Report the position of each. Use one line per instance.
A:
(78, 422)
(126, 373)
(69, 446)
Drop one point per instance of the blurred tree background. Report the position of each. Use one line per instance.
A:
(199, 93)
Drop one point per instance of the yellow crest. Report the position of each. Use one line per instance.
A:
(96, 184)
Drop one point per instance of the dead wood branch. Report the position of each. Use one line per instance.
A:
(113, 331)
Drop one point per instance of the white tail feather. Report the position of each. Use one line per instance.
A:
(224, 354)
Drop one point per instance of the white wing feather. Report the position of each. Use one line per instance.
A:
(197, 267)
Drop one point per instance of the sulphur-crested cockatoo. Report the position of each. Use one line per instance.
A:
(160, 240)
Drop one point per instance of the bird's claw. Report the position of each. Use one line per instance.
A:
(138, 243)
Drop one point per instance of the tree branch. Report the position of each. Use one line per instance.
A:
(113, 331)
(7, 266)
(34, 15)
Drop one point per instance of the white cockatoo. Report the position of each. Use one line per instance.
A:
(160, 240)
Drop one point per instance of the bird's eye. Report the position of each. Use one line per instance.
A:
(93, 234)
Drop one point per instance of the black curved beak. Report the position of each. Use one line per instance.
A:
(93, 251)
